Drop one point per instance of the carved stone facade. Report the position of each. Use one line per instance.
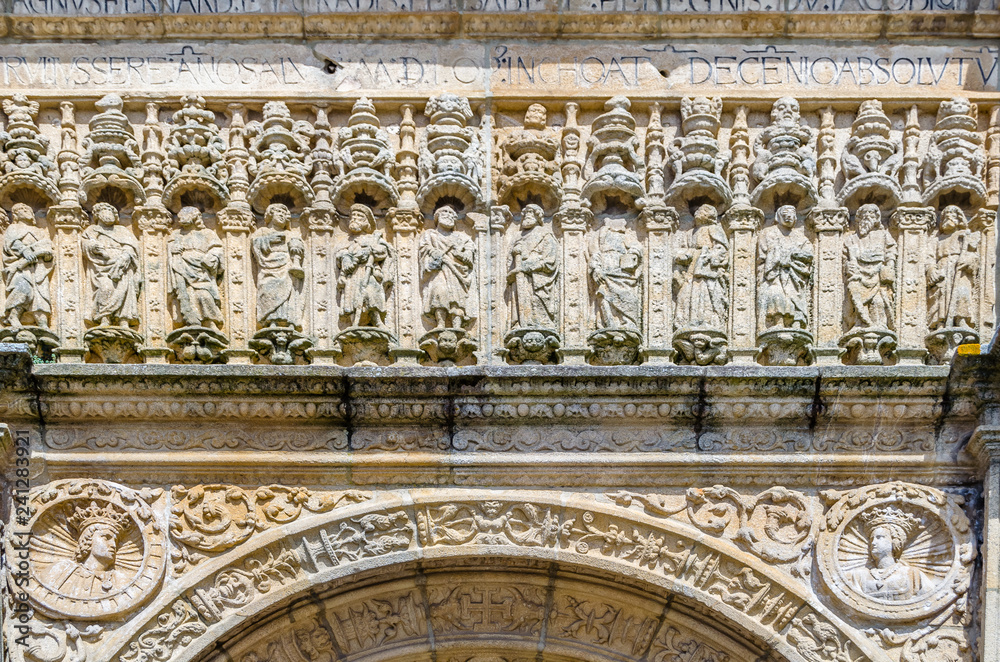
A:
(479, 332)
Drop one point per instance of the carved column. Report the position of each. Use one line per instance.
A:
(576, 294)
(914, 224)
(236, 221)
(322, 294)
(743, 223)
(67, 281)
(500, 317)
(985, 444)
(986, 221)
(660, 226)
(828, 296)
(406, 220)
(154, 222)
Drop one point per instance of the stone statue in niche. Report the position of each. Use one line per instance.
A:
(701, 283)
(951, 280)
(278, 254)
(111, 255)
(533, 279)
(870, 277)
(27, 276)
(785, 158)
(784, 280)
(195, 262)
(616, 272)
(888, 531)
(93, 570)
(447, 269)
(365, 274)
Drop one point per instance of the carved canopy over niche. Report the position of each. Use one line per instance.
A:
(449, 231)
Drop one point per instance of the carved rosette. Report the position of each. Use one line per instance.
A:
(97, 549)
(896, 552)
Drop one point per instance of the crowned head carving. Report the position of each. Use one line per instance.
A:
(695, 156)
(97, 550)
(448, 108)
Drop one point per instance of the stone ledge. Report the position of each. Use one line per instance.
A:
(456, 24)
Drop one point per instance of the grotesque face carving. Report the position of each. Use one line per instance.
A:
(535, 117)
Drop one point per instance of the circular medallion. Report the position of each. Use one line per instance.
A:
(96, 550)
(896, 552)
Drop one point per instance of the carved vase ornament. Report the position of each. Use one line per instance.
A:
(450, 161)
(896, 553)
(696, 158)
(614, 170)
(195, 167)
(364, 161)
(26, 171)
(110, 167)
(528, 163)
(871, 160)
(97, 550)
(955, 156)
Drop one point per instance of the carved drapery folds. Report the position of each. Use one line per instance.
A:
(313, 233)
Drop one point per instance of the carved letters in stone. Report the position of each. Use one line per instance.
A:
(870, 280)
(533, 281)
(97, 549)
(701, 284)
(784, 289)
(896, 552)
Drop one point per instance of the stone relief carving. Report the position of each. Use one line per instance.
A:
(195, 267)
(952, 269)
(701, 285)
(450, 160)
(785, 161)
(870, 280)
(533, 281)
(896, 552)
(28, 254)
(366, 270)
(696, 158)
(447, 258)
(111, 255)
(238, 587)
(615, 265)
(110, 166)
(955, 155)
(195, 168)
(278, 254)
(614, 170)
(784, 289)
(871, 160)
(364, 161)
(528, 163)
(97, 549)
(26, 171)
(600, 170)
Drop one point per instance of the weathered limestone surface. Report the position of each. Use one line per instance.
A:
(524, 330)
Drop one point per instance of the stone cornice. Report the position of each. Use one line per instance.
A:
(471, 24)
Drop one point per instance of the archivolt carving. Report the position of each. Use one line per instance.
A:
(379, 533)
(620, 180)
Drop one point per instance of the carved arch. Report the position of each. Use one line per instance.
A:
(551, 541)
